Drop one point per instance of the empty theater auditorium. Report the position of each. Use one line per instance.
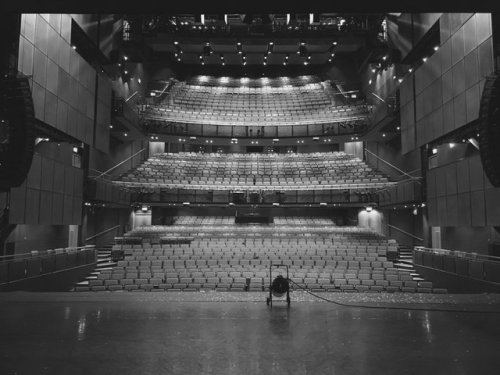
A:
(218, 191)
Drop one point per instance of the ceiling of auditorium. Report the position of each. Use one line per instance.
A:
(257, 39)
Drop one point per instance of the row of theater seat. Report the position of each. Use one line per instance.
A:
(313, 101)
(337, 170)
(226, 220)
(355, 260)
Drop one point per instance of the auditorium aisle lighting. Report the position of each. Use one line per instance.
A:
(165, 174)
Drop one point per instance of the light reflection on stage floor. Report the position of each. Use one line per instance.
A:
(184, 333)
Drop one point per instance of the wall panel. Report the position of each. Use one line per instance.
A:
(32, 207)
(464, 209)
(57, 208)
(17, 205)
(478, 215)
(35, 173)
(492, 201)
(463, 184)
(451, 179)
(476, 174)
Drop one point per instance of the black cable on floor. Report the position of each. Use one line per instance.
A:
(392, 307)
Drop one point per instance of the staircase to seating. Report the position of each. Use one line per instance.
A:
(104, 263)
(404, 261)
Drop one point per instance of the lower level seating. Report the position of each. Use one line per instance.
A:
(319, 263)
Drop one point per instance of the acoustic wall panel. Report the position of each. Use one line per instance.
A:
(451, 179)
(38, 93)
(69, 180)
(485, 58)
(460, 110)
(472, 100)
(445, 55)
(35, 174)
(463, 184)
(40, 68)
(63, 57)
(66, 27)
(442, 214)
(478, 215)
(483, 26)
(77, 211)
(444, 27)
(57, 209)
(464, 209)
(52, 77)
(55, 22)
(451, 210)
(447, 86)
(448, 116)
(476, 174)
(78, 186)
(432, 212)
(32, 207)
(431, 184)
(17, 204)
(26, 52)
(54, 44)
(471, 65)
(50, 116)
(470, 39)
(62, 115)
(440, 182)
(28, 20)
(41, 34)
(492, 201)
(457, 46)
(47, 174)
(458, 73)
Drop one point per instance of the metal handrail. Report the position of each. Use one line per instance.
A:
(43, 253)
(405, 232)
(117, 165)
(101, 233)
(131, 96)
(393, 166)
(458, 254)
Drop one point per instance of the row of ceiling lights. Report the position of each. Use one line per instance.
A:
(401, 78)
(256, 142)
(207, 51)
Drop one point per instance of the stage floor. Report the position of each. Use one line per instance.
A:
(236, 333)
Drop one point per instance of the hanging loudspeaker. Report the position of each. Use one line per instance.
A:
(489, 129)
(17, 134)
